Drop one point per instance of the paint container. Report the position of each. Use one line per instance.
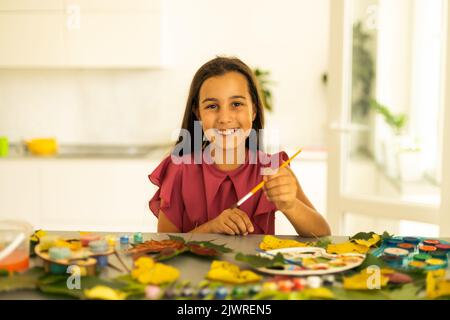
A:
(392, 261)
(102, 261)
(415, 264)
(443, 247)
(393, 242)
(422, 257)
(86, 238)
(438, 263)
(412, 240)
(15, 245)
(426, 249)
(396, 252)
(439, 254)
(431, 242)
(98, 246)
(407, 246)
(221, 293)
(138, 238)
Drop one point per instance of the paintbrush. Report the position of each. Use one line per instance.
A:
(261, 184)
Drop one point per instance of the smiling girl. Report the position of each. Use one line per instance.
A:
(199, 196)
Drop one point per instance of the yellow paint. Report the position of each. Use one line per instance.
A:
(271, 242)
(227, 272)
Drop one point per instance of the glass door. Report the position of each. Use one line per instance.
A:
(387, 116)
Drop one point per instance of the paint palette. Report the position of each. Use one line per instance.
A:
(307, 261)
(414, 253)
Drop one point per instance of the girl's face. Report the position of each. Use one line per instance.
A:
(226, 109)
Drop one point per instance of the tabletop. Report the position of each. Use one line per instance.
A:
(191, 268)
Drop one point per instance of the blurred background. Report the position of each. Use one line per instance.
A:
(91, 92)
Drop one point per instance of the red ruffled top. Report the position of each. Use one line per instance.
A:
(193, 194)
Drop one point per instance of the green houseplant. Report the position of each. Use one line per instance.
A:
(404, 153)
(264, 83)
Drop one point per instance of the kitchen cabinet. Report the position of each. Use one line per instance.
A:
(19, 191)
(79, 194)
(28, 39)
(115, 40)
(80, 33)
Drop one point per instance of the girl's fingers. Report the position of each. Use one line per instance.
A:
(282, 198)
(239, 222)
(230, 224)
(228, 230)
(280, 190)
(246, 220)
(279, 181)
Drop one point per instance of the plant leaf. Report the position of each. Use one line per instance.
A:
(21, 281)
(221, 248)
(176, 238)
(258, 261)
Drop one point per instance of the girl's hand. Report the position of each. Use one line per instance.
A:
(231, 221)
(281, 189)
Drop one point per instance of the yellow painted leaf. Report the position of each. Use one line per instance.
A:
(37, 235)
(146, 271)
(369, 243)
(436, 284)
(318, 293)
(347, 247)
(144, 262)
(271, 242)
(104, 293)
(227, 272)
(365, 281)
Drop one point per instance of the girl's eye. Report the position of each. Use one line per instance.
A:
(237, 104)
(211, 106)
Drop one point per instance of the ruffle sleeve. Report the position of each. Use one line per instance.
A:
(265, 210)
(168, 198)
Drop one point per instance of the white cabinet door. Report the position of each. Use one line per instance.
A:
(33, 5)
(80, 33)
(97, 195)
(20, 191)
(30, 39)
(116, 5)
(114, 39)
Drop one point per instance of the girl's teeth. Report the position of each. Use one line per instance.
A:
(227, 131)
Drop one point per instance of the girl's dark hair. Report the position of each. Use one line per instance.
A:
(218, 67)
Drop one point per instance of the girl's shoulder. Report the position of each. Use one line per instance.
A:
(171, 166)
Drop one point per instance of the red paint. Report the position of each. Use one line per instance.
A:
(17, 261)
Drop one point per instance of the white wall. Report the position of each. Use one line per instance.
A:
(290, 38)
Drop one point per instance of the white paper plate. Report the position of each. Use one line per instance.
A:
(356, 259)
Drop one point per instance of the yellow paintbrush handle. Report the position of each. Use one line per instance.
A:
(261, 184)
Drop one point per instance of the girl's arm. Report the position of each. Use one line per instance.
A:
(165, 225)
(285, 191)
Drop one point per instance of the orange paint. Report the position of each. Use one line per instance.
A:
(17, 261)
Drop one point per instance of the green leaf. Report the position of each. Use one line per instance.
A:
(21, 281)
(362, 236)
(60, 286)
(386, 235)
(371, 260)
(176, 238)
(258, 261)
(222, 248)
(322, 243)
(169, 253)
